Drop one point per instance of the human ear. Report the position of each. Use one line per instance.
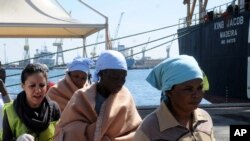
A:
(169, 93)
(22, 85)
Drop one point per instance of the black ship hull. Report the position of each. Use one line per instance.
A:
(222, 49)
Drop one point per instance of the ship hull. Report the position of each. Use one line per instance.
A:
(221, 48)
(45, 57)
(130, 62)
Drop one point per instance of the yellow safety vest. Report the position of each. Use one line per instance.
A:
(18, 127)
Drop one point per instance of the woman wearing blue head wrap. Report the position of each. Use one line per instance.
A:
(77, 76)
(178, 118)
(106, 110)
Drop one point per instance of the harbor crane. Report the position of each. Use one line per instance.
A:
(144, 50)
(59, 52)
(168, 50)
(26, 49)
(117, 29)
(169, 47)
(26, 55)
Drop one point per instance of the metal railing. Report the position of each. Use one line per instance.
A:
(217, 12)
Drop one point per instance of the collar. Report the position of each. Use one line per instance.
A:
(167, 120)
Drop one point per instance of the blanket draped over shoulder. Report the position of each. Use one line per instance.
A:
(63, 91)
(117, 121)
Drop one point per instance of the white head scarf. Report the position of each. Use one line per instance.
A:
(109, 59)
(80, 64)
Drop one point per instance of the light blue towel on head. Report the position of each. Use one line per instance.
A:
(174, 71)
(109, 59)
(80, 64)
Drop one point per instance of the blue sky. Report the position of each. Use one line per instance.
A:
(139, 16)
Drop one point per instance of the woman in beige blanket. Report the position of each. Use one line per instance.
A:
(104, 112)
(178, 117)
(77, 76)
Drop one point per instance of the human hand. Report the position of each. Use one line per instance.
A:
(25, 137)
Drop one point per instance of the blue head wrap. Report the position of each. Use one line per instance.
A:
(109, 59)
(174, 71)
(80, 64)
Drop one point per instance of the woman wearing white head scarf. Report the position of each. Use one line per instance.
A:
(77, 77)
(178, 118)
(105, 111)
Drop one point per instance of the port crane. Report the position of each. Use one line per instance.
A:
(26, 49)
(59, 52)
(117, 29)
(144, 50)
(26, 55)
(168, 47)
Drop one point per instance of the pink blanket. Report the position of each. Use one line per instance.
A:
(117, 121)
(63, 91)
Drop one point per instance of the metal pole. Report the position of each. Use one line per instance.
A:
(188, 14)
(107, 43)
(5, 59)
(84, 52)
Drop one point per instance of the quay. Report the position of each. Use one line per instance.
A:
(223, 116)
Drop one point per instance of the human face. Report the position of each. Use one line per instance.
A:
(112, 80)
(186, 96)
(79, 78)
(35, 87)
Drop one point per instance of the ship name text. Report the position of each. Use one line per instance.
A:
(229, 33)
(227, 29)
(228, 37)
(230, 23)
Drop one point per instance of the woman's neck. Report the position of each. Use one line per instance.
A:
(184, 118)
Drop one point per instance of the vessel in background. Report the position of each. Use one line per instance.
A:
(129, 56)
(219, 40)
(44, 57)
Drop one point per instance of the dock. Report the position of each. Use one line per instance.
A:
(223, 116)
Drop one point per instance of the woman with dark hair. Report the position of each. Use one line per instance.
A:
(106, 110)
(32, 115)
(178, 118)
